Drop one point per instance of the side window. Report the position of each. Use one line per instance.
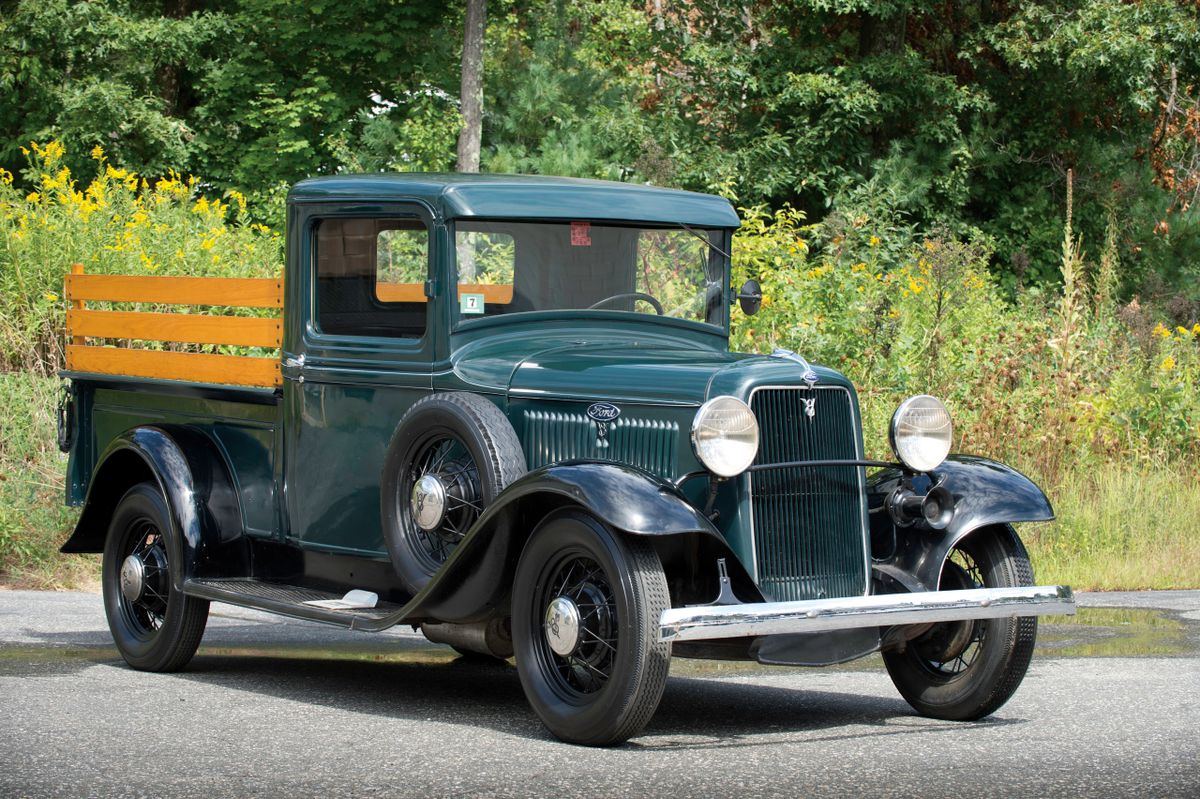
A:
(371, 277)
(486, 261)
(679, 269)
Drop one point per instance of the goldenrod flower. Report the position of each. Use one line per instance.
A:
(1160, 330)
(51, 296)
(874, 241)
(98, 153)
(1168, 363)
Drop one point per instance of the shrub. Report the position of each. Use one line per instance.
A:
(120, 223)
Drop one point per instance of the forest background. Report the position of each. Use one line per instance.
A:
(988, 201)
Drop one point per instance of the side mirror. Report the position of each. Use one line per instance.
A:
(750, 297)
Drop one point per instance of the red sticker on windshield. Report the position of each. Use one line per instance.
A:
(581, 235)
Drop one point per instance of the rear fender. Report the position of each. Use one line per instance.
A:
(190, 471)
(986, 494)
(476, 579)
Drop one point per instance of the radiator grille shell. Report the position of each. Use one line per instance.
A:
(808, 523)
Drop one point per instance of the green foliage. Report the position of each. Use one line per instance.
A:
(119, 223)
(33, 520)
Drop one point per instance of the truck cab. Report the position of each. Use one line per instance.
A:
(503, 410)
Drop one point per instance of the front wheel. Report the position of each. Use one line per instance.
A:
(155, 627)
(585, 610)
(961, 671)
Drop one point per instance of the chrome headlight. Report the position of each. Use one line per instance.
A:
(725, 436)
(921, 432)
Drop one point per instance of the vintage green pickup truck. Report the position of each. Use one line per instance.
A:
(506, 414)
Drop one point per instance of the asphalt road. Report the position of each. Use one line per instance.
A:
(271, 707)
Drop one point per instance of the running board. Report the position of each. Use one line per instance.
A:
(882, 610)
(290, 600)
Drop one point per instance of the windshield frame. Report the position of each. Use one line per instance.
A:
(461, 322)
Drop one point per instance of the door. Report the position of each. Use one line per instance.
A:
(360, 353)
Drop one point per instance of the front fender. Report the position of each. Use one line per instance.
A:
(477, 576)
(192, 475)
(985, 492)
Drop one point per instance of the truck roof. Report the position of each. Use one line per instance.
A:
(457, 195)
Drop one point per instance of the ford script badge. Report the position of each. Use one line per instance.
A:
(603, 412)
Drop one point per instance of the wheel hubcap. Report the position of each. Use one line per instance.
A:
(562, 626)
(133, 577)
(428, 502)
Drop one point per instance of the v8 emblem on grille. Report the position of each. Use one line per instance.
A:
(810, 408)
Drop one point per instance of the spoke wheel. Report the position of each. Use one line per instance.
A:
(586, 605)
(450, 457)
(966, 670)
(155, 627)
(444, 497)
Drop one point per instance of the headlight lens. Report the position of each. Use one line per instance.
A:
(921, 432)
(725, 436)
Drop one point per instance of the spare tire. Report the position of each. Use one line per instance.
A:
(450, 456)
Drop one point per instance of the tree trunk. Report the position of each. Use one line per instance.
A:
(472, 87)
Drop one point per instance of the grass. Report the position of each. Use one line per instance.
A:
(33, 519)
(1118, 528)
(1121, 528)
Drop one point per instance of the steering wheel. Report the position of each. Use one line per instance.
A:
(637, 295)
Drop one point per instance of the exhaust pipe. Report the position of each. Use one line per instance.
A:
(492, 637)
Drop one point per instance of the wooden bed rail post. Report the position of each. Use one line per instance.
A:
(76, 269)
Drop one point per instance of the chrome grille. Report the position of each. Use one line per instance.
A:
(809, 534)
(553, 436)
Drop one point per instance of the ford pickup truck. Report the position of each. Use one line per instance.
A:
(503, 410)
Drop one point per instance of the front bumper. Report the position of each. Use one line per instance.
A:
(883, 610)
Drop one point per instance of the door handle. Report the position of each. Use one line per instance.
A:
(297, 364)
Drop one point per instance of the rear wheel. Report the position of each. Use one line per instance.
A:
(966, 670)
(586, 605)
(155, 627)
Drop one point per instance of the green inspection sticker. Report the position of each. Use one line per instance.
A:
(470, 303)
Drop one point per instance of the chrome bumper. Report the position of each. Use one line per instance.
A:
(884, 610)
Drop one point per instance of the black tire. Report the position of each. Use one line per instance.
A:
(159, 628)
(607, 688)
(962, 671)
(468, 445)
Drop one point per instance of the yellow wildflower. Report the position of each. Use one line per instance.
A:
(1161, 330)
(1183, 331)
(201, 206)
(858, 267)
(929, 245)
(148, 262)
(32, 197)
(98, 153)
(1168, 363)
(874, 241)
(131, 182)
(115, 174)
(179, 254)
(1196, 329)
(6, 177)
(207, 244)
(51, 296)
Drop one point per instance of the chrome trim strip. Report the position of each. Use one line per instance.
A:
(884, 610)
(862, 481)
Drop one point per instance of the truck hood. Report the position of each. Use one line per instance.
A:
(615, 369)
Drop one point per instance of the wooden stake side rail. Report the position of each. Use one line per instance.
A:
(196, 367)
(230, 292)
(190, 328)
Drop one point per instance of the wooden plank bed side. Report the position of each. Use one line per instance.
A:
(188, 366)
(177, 327)
(232, 292)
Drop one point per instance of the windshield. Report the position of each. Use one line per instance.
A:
(516, 267)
